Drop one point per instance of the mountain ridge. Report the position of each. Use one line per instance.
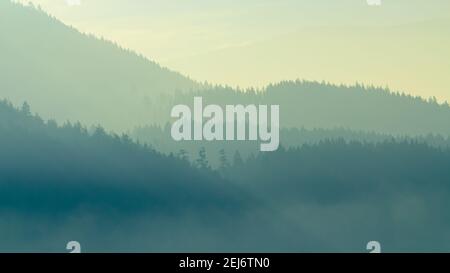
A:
(67, 75)
(44, 59)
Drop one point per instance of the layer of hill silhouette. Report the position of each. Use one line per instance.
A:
(315, 105)
(67, 75)
(41, 161)
(160, 138)
(61, 183)
(65, 182)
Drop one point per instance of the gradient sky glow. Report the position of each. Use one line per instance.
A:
(403, 44)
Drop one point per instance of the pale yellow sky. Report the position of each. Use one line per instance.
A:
(402, 44)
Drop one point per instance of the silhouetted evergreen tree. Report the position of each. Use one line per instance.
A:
(223, 159)
(202, 161)
(183, 155)
(26, 109)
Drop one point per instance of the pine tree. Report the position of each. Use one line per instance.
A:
(202, 161)
(223, 160)
(183, 155)
(26, 109)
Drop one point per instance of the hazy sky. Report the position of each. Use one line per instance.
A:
(401, 43)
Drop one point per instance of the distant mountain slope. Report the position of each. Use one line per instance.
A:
(412, 57)
(322, 105)
(68, 75)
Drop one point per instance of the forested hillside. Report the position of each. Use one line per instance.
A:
(315, 105)
(160, 138)
(63, 168)
(68, 75)
(356, 163)
(61, 183)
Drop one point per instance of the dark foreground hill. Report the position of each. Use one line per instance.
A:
(60, 184)
(46, 167)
